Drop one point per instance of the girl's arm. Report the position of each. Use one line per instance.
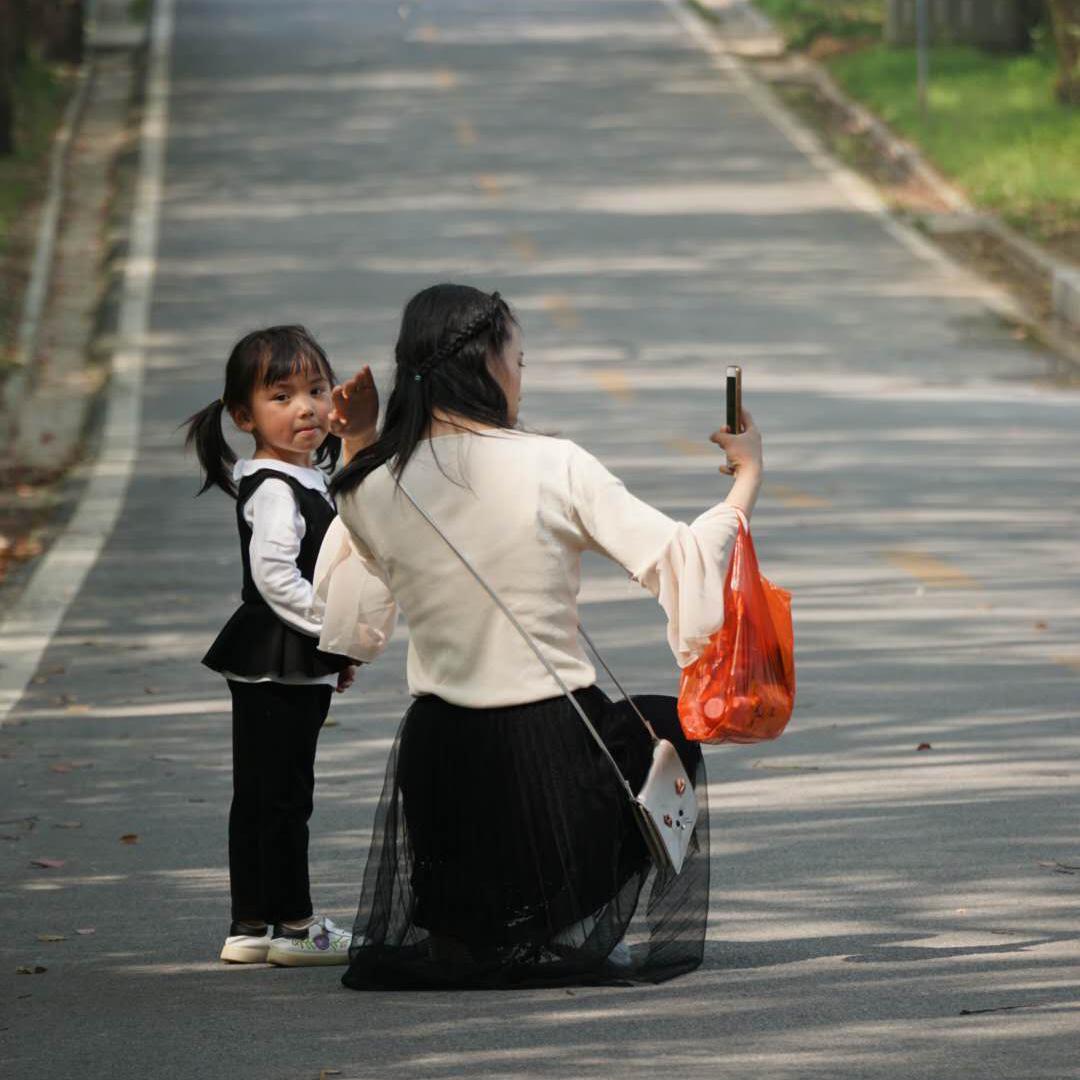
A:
(277, 528)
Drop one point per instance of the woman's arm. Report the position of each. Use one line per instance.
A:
(355, 413)
(683, 566)
(359, 610)
(744, 463)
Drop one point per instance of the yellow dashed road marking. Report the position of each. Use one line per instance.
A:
(562, 311)
(465, 132)
(930, 570)
(615, 383)
(689, 446)
(489, 185)
(445, 79)
(524, 247)
(793, 497)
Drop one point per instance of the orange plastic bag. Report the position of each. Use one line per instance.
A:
(742, 687)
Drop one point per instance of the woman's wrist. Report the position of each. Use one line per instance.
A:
(351, 445)
(744, 491)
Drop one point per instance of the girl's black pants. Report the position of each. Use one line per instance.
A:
(275, 730)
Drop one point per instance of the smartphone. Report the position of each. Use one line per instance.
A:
(734, 399)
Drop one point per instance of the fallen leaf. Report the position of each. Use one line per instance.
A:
(26, 547)
(47, 864)
(330, 723)
(1058, 867)
(924, 746)
(196, 798)
(129, 838)
(324, 1073)
(151, 690)
(25, 969)
(67, 824)
(1042, 625)
(60, 767)
(86, 932)
(51, 937)
(77, 709)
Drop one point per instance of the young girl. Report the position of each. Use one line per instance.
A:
(279, 387)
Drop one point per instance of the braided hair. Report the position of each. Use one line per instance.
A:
(455, 342)
(449, 333)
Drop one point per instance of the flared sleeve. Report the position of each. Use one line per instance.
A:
(360, 613)
(682, 565)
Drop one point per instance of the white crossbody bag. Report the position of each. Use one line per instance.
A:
(665, 808)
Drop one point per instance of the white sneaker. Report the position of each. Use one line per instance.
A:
(323, 942)
(241, 948)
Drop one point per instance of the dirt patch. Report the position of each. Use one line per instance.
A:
(824, 47)
(902, 188)
(992, 259)
(909, 195)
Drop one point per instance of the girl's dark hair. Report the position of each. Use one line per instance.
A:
(262, 357)
(448, 333)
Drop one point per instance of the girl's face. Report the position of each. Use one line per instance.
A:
(289, 418)
(506, 370)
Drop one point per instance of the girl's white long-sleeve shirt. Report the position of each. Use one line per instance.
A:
(522, 508)
(277, 529)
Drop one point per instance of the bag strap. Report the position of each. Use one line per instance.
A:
(528, 638)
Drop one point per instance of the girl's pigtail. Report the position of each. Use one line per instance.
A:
(213, 451)
(327, 455)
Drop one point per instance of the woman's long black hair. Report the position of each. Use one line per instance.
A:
(263, 356)
(448, 334)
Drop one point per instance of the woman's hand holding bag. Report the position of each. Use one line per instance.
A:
(742, 687)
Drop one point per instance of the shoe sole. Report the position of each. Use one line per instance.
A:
(244, 954)
(292, 959)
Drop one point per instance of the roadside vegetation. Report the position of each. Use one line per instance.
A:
(995, 125)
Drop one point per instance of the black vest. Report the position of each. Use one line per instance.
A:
(255, 642)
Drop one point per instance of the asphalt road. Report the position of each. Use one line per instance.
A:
(877, 910)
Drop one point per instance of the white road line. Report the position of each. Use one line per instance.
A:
(26, 632)
(860, 192)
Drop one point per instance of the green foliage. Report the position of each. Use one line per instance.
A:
(40, 94)
(993, 125)
(801, 21)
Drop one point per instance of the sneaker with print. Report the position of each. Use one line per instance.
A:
(323, 942)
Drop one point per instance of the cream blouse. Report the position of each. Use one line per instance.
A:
(522, 508)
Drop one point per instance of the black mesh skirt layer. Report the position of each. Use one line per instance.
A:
(505, 853)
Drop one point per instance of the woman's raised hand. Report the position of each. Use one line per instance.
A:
(356, 407)
(743, 450)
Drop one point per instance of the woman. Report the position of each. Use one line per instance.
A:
(504, 852)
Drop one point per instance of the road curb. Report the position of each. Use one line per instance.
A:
(41, 266)
(34, 617)
(741, 34)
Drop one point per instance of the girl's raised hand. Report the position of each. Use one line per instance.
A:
(356, 407)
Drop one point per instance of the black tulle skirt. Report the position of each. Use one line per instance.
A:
(504, 853)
